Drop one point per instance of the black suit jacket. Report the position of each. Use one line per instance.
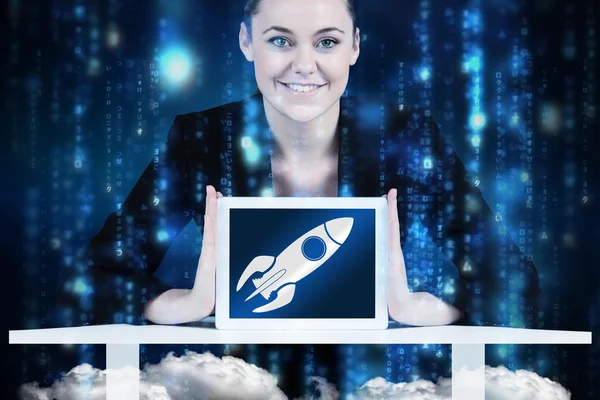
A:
(381, 147)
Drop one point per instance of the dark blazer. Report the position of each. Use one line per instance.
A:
(381, 147)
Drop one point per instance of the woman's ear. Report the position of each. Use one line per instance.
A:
(246, 42)
(355, 47)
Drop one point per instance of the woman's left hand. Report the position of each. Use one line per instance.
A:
(418, 308)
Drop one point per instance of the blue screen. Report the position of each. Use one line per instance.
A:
(343, 286)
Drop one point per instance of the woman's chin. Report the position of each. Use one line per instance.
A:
(307, 112)
(299, 112)
(304, 114)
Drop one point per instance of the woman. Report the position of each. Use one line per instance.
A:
(297, 136)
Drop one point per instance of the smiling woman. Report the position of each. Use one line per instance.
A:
(306, 140)
(302, 52)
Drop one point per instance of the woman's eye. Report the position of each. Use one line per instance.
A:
(330, 41)
(279, 42)
(283, 42)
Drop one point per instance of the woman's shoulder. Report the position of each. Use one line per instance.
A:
(212, 115)
(397, 119)
(203, 131)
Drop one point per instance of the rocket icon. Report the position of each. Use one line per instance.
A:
(298, 260)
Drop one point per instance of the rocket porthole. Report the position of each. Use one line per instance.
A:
(313, 248)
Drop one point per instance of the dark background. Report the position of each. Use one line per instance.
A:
(554, 61)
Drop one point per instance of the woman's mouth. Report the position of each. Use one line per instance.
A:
(302, 89)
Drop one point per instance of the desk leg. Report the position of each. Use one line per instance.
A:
(122, 371)
(468, 371)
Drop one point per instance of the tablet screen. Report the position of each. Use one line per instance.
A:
(302, 263)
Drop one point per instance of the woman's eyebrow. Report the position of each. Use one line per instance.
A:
(320, 31)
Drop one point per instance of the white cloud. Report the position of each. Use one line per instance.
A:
(210, 377)
(206, 376)
(500, 384)
(192, 375)
(87, 382)
(421, 389)
(504, 384)
(323, 390)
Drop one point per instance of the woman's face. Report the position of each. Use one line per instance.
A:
(302, 52)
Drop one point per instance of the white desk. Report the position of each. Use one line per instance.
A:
(468, 345)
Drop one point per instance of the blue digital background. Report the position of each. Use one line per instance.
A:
(342, 287)
(542, 50)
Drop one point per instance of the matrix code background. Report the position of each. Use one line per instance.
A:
(90, 89)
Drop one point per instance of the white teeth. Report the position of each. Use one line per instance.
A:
(302, 88)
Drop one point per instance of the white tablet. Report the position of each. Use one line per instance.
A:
(301, 263)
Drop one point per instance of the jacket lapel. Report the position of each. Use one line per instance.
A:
(363, 161)
(251, 150)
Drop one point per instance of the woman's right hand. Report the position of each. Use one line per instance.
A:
(203, 292)
(178, 306)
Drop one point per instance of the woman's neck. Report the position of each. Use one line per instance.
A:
(314, 140)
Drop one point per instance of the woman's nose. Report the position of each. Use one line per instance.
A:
(304, 61)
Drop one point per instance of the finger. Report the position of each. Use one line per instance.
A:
(209, 193)
(205, 275)
(219, 195)
(395, 208)
(209, 222)
(394, 223)
(392, 211)
(389, 199)
(394, 227)
(213, 218)
(207, 239)
(204, 283)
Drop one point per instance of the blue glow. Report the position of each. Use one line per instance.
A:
(79, 11)
(252, 109)
(425, 74)
(570, 181)
(369, 115)
(472, 20)
(78, 109)
(80, 286)
(251, 150)
(162, 236)
(345, 191)
(448, 289)
(267, 192)
(476, 140)
(251, 129)
(176, 65)
(473, 64)
(473, 165)
(477, 121)
(246, 142)
(427, 163)
(252, 155)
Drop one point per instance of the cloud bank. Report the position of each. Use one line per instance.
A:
(209, 377)
(420, 389)
(504, 384)
(205, 376)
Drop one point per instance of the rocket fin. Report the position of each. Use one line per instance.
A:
(258, 264)
(266, 284)
(284, 297)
